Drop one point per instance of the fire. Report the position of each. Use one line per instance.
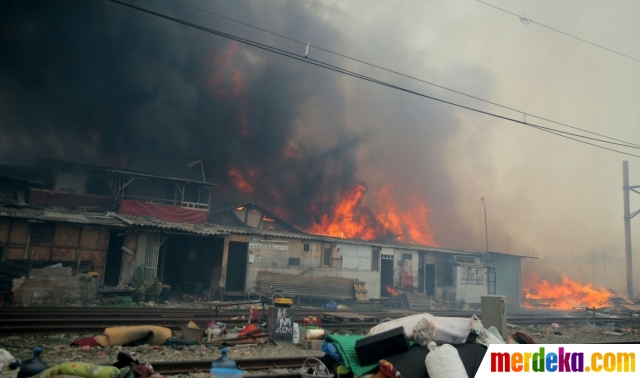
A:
(240, 181)
(566, 295)
(344, 222)
(392, 291)
(350, 219)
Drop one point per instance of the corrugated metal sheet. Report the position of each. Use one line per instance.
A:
(508, 279)
(146, 258)
(56, 214)
(208, 228)
(317, 287)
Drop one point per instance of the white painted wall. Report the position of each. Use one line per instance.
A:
(278, 261)
(410, 266)
(470, 293)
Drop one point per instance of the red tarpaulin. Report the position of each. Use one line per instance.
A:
(163, 212)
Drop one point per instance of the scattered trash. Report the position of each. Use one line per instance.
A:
(520, 337)
(331, 305)
(555, 325)
(32, 366)
(557, 333)
(612, 333)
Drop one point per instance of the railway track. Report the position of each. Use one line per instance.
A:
(183, 367)
(57, 320)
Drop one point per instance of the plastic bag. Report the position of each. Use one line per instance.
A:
(330, 350)
(296, 333)
(485, 337)
(444, 362)
(408, 322)
(6, 357)
(443, 329)
(331, 305)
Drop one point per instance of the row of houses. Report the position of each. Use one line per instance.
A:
(132, 226)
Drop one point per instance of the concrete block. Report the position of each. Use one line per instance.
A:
(53, 290)
(51, 272)
(312, 344)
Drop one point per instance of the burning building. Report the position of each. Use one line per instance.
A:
(126, 226)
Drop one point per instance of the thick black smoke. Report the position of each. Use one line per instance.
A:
(99, 82)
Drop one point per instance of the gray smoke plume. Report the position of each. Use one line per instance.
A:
(102, 83)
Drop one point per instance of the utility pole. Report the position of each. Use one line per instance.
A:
(627, 224)
(486, 230)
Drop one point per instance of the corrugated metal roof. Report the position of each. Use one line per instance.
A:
(27, 180)
(401, 246)
(206, 228)
(511, 255)
(53, 214)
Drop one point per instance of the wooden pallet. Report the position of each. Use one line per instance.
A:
(361, 291)
(348, 317)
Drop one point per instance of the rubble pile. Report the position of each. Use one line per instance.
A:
(419, 345)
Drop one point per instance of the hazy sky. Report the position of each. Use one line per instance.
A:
(105, 83)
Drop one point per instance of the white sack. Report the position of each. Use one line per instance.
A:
(296, 333)
(408, 322)
(6, 357)
(444, 362)
(443, 329)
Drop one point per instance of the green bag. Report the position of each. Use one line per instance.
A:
(80, 369)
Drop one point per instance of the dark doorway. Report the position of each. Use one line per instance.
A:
(237, 266)
(188, 262)
(430, 279)
(386, 276)
(114, 258)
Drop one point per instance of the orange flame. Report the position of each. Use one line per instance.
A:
(564, 296)
(240, 181)
(408, 223)
(392, 291)
(343, 222)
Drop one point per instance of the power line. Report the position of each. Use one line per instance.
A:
(362, 77)
(561, 32)
(405, 75)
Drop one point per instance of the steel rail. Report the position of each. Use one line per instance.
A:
(177, 367)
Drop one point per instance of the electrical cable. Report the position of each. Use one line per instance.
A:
(366, 78)
(405, 75)
(561, 32)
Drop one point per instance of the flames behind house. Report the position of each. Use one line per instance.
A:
(128, 226)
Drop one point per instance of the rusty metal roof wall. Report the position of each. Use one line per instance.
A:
(55, 214)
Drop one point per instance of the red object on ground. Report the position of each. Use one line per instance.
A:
(311, 320)
(87, 341)
(163, 212)
(250, 329)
